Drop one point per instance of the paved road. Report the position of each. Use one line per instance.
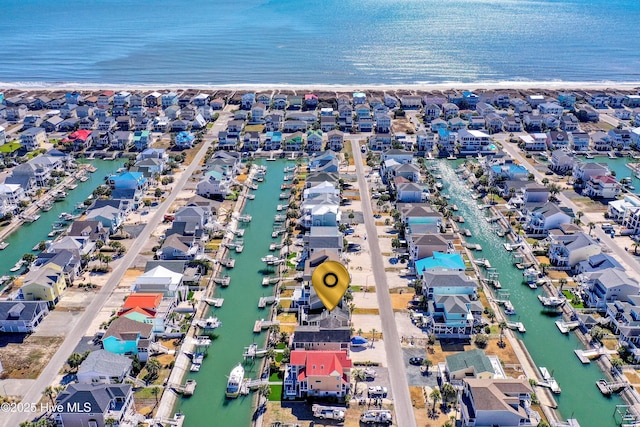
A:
(48, 375)
(395, 362)
(623, 255)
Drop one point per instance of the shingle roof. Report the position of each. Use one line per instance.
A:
(105, 362)
(99, 397)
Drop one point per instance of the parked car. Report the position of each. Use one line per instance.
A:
(416, 361)
(377, 391)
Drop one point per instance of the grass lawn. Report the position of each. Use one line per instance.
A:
(570, 298)
(275, 376)
(276, 393)
(254, 128)
(10, 147)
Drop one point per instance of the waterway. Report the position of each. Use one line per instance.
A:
(238, 314)
(28, 235)
(580, 397)
(618, 165)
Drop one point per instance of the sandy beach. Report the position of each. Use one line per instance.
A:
(422, 87)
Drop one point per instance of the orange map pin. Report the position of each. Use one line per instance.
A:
(330, 280)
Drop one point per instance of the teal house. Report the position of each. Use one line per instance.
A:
(128, 337)
(440, 261)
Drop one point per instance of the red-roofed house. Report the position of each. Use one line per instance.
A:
(147, 302)
(318, 374)
(602, 186)
(81, 139)
(311, 100)
(150, 308)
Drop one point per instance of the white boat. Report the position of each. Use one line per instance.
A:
(3, 245)
(271, 259)
(84, 178)
(18, 266)
(47, 207)
(251, 196)
(552, 301)
(31, 218)
(72, 186)
(209, 323)
(510, 247)
(235, 381)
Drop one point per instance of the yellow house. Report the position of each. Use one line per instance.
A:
(44, 284)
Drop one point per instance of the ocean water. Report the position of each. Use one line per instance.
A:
(230, 42)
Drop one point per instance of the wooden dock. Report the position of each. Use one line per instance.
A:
(270, 280)
(228, 262)
(565, 327)
(215, 302)
(187, 389)
(262, 303)
(609, 388)
(263, 324)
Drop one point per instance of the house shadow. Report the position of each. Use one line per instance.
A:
(301, 410)
(6, 339)
(453, 344)
(358, 348)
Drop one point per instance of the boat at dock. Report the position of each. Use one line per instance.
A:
(548, 381)
(47, 207)
(91, 168)
(3, 245)
(17, 266)
(84, 178)
(510, 248)
(251, 196)
(280, 208)
(236, 376)
(31, 218)
(454, 207)
(517, 326)
(72, 186)
(209, 323)
(552, 301)
(283, 196)
(196, 362)
(272, 260)
(59, 196)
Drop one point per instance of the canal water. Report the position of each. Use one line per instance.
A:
(580, 397)
(208, 406)
(619, 166)
(28, 235)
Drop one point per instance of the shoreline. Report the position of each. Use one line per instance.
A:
(422, 86)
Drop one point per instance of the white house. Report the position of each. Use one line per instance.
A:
(567, 251)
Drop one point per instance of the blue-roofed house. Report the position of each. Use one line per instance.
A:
(273, 141)
(141, 139)
(452, 303)
(184, 139)
(127, 180)
(440, 261)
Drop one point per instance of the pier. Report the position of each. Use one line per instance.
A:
(187, 389)
(270, 280)
(565, 327)
(215, 302)
(607, 388)
(264, 301)
(264, 324)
